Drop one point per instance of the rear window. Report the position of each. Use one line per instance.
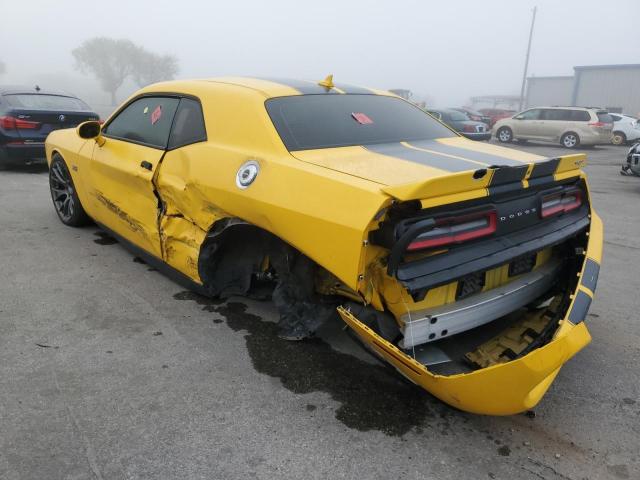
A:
(32, 101)
(307, 122)
(604, 117)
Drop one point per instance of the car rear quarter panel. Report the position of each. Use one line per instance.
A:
(322, 213)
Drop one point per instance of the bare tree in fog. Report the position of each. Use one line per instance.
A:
(3, 68)
(110, 60)
(152, 68)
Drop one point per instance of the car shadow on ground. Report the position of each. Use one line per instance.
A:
(39, 167)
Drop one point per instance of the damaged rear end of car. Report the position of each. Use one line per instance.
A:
(489, 288)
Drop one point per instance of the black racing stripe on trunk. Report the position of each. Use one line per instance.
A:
(482, 157)
(507, 179)
(424, 158)
(580, 308)
(590, 275)
(545, 168)
(502, 175)
(354, 89)
(306, 88)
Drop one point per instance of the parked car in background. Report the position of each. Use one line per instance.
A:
(461, 123)
(28, 115)
(474, 115)
(569, 126)
(625, 129)
(496, 114)
(632, 165)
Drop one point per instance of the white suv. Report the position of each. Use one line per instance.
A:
(569, 126)
(625, 129)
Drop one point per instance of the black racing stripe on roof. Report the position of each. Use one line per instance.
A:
(544, 168)
(306, 88)
(353, 89)
(424, 158)
(481, 157)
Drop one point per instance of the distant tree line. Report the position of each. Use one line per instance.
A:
(112, 61)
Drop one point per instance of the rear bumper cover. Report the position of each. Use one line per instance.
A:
(21, 153)
(517, 385)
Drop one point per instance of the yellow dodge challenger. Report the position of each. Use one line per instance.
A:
(466, 266)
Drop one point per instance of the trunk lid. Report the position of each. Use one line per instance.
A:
(47, 121)
(424, 168)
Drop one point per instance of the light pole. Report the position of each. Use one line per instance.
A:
(526, 60)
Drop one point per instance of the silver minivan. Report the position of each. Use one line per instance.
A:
(569, 126)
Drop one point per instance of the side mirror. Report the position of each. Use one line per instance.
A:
(519, 117)
(89, 130)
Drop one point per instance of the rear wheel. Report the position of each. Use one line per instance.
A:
(570, 140)
(505, 135)
(618, 138)
(64, 195)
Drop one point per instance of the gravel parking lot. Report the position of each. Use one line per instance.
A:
(109, 370)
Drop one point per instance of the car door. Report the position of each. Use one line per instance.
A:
(527, 124)
(122, 169)
(553, 123)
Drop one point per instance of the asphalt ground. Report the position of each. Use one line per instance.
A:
(109, 370)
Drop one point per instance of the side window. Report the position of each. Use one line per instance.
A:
(533, 114)
(580, 116)
(556, 114)
(616, 118)
(146, 120)
(188, 126)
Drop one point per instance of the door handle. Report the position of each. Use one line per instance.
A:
(146, 165)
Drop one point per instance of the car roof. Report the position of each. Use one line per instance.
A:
(573, 107)
(22, 89)
(268, 87)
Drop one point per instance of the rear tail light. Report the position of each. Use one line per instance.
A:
(561, 202)
(598, 124)
(13, 123)
(456, 230)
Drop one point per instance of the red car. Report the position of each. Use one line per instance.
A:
(496, 114)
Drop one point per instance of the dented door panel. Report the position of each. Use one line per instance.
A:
(121, 194)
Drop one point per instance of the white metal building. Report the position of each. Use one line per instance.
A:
(614, 87)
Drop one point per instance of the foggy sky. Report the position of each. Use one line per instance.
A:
(442, 50)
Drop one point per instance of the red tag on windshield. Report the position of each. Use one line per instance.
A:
(361, 118)
(156, 114)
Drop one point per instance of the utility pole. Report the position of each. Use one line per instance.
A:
(526, 60)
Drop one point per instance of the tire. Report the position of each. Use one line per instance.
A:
(505, 135)
(570, 140)
(64, 196)
(618, 138)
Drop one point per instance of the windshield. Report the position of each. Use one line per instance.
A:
(306, 122)
(33, 101)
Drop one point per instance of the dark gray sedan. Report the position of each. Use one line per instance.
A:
(461, 123)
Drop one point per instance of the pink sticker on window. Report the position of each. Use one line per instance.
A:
(361, 118)
(156, 114)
